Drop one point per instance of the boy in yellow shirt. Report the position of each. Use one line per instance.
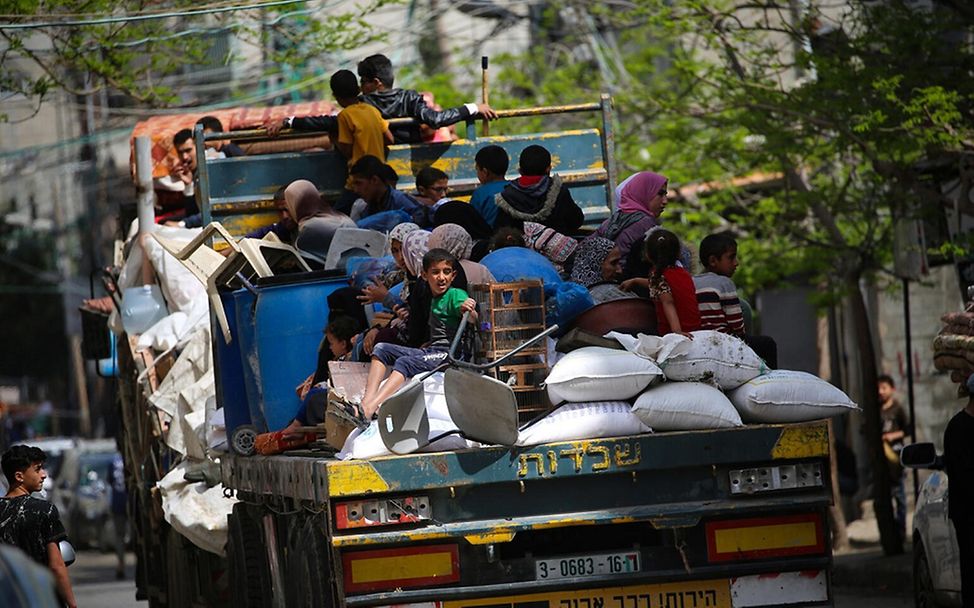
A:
(361, 129)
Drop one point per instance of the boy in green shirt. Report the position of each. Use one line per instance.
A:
(446, 310)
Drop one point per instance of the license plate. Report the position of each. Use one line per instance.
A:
(701, 594)
(586, 565)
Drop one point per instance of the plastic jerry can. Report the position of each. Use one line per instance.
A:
(142, 307)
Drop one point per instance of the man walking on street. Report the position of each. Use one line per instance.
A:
(29, 523)
(895, 428)
(959, 463)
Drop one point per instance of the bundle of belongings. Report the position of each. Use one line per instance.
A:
(953, 348)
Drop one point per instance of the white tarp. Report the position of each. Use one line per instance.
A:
(195, 511)
(187, 388)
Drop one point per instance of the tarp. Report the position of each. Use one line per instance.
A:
(162, 128)
(195, 511)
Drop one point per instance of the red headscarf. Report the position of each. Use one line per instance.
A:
(635, 193)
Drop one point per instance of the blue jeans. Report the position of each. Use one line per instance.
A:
(898, 492)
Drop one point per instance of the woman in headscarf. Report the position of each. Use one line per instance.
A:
(317, 221)
(551, 244)
(597, 269)
(378, 290)
(640, 200)
(467, 217)
(457, 241)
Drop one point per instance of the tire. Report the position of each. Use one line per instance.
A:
(307, 568)
(180, 566)
(249, 571)
(924, 594)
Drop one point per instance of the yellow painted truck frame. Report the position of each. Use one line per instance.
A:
(718, 518)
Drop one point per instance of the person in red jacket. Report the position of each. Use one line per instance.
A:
(670, 285)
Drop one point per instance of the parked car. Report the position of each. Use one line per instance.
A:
(83, 493)
(936, 560)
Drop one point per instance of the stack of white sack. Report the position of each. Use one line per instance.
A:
(701, 370)
(597, 383)
(367, 442)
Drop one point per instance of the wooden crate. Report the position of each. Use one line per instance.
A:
(510, 315)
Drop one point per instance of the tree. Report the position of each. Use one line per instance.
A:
(839, 104)
(84, 46)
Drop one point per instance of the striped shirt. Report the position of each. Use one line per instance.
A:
(720, 308)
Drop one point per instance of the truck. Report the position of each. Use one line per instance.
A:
(716, 518)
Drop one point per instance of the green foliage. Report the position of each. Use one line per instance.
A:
(139, 58)
(831, 122)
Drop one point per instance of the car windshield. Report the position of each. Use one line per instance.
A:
(94, 467)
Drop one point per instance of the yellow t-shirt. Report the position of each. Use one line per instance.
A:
(362, 126)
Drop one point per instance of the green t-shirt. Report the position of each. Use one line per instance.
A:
(445, 316)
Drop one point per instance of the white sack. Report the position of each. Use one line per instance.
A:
(789, 396)
(195, 511)
(594, 373)
(435, 396)
(367, 443)
(685, 406)
(584, 421)
(712, 356)
(655, 348)
(179, 285)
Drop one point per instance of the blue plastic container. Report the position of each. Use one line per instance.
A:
(280, 326)
(231, 394)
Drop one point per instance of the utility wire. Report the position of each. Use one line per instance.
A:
(195, 30)
(95, 15)
(143, 17)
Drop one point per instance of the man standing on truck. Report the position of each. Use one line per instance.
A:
(29, 523)
(377, 77)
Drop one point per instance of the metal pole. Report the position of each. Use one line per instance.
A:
(909, 376)
(609, 148)
(484, 90)
(143, 173)
(202, 176)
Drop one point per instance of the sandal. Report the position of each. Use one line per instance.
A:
(352, 412)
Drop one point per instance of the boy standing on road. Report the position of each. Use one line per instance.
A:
(895, 427)
(29, 523)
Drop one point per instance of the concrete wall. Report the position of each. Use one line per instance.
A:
(935, 395)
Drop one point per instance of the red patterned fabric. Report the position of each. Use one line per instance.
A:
(162, 128)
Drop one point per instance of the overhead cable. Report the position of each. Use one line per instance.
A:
(144, 17)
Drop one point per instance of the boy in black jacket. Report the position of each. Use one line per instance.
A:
(537, 197)
(377, 78)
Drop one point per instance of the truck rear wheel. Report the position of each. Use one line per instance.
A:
(307, 559)
(249, 571)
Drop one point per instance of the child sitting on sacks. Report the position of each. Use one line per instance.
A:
(447, 307)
